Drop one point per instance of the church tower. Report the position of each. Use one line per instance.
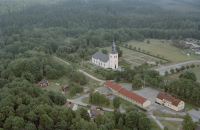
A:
(113, 56)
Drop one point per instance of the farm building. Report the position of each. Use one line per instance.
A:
(72, 105)
(172, 41)
(134, 98)
(65, 87)
(170, 102)
(44, 83)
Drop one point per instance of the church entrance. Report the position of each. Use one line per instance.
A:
(115, 66)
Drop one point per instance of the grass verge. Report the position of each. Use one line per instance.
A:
(172, 125)
(162, 114)
(154, 125)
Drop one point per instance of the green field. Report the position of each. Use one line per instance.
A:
(163, 49)
(125, 51)
(86, 100)
(172, 125)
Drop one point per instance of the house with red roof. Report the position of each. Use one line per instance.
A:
(72, 105)
(134, 98)
(170, 102)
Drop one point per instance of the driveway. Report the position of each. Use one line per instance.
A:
(195, 114)
(163, 69)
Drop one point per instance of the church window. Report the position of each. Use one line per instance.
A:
(104, 64)
(110, 56)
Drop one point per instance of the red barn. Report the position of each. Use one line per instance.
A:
(44, 83)
(66, 86)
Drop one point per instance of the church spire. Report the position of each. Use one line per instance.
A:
(113, 46)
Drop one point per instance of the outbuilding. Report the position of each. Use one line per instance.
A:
(44, 83)
(65, 87)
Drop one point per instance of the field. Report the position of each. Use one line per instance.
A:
(172, 125)
(162, 114)
(86, 100)
(196, 70)
(163, 49)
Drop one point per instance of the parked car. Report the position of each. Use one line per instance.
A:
(197, 109)
(89, 105)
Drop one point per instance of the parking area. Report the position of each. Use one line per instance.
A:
(127, 86)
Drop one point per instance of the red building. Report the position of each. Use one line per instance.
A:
(66, 86)
(44, 83)
(173, 41)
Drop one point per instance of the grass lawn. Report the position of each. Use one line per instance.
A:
(196, 70)
(162, 114)
(125, 104)
(93, 74)
(86, 100)
(163, 49)
(189, 105)
(154, 125)
(172, 125)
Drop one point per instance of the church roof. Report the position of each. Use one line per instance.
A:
(113, 49)
(101, 57)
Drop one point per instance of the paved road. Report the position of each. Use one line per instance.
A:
(163, 69)
(102, 81)
(195, 45)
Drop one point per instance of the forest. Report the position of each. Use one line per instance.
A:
(33, 31)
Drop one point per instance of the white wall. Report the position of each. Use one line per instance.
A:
(113, 60)
(100, 63)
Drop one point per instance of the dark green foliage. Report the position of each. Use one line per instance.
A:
(104, 51)
(192, 66)
(116, 102)
(166, 128)
(188, 123)
(84, 114)
(166, 73)
(189, 75)
(172, 71)
(177, 70)
(137, 83)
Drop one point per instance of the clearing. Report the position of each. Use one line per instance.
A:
(162, 114)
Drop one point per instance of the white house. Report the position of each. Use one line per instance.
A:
(106, 61)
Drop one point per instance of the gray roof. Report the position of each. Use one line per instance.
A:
(101, 57)
(44, 81)
(113, 49)
(66, 85)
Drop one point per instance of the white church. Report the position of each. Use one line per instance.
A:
(106, 61)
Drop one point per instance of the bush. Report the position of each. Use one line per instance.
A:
(99, 108)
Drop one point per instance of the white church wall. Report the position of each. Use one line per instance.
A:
(113, 61)
(100, 63)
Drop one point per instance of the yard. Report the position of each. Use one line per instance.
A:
(163, 49)
(172, 125)
(86, 100)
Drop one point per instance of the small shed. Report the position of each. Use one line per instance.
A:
(44, 83)
(65, 87)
